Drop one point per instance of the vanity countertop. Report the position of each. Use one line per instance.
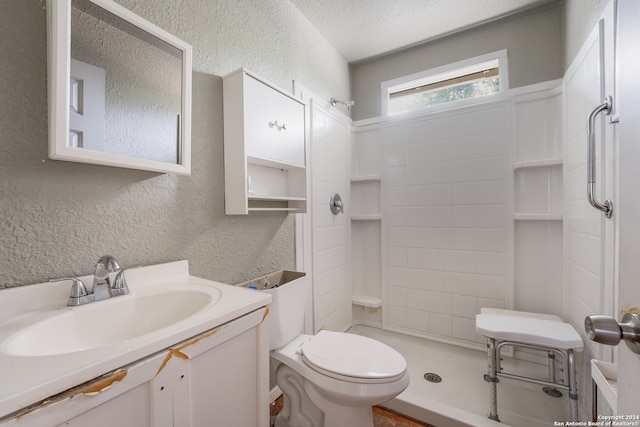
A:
(30, 378)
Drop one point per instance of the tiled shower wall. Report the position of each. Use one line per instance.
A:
(447, 202)
(330, 156)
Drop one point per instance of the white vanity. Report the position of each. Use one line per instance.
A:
(178, 350)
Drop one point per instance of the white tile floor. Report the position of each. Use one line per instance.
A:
(462, 398)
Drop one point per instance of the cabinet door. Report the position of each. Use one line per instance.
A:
(260, 109)
(121, 398)
(291, 146)
(128, 409)
(228, 373)
(274, 124)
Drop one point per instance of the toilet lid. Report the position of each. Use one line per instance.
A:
(340, 354)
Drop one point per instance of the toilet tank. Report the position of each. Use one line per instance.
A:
(288, 291)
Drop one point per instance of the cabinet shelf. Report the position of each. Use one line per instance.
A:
(272, 163)
(545, 216)
(277, 198)
(273, 210)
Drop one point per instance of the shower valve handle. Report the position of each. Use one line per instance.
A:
(335, 204)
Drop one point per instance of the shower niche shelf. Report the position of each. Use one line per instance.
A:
(366, 217)
(264, 147)
(365, 198)
(366, 178)
(551, 216)
(537, 166)
(366, 224)
(536, 163)
(537, 169)
(538, 190)
(366, 301)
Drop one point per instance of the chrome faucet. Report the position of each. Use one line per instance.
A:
(101, 284)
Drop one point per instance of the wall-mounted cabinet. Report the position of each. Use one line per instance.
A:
(264, 147)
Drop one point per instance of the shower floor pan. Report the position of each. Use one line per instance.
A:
(461, 398)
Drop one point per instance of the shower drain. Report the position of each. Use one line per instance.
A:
(432, 378)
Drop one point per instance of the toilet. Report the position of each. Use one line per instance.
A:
(331, 378)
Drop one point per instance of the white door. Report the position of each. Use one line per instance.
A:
(628, 133)
(86, 106)
(589, 236)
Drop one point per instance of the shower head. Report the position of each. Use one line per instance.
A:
(348, 104)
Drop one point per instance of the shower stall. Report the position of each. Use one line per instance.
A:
(437, 210)
(443, 213)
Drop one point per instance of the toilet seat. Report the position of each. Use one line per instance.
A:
(353, 358)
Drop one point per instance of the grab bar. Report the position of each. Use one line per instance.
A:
(607, 207)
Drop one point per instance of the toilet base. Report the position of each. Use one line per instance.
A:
(304, 406)
(297, 410)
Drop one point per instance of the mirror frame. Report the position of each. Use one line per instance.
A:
(59, 55)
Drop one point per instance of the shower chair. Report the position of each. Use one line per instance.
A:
(540, 332)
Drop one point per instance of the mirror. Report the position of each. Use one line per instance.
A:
(119, 89)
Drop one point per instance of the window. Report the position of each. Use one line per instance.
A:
(469, 79)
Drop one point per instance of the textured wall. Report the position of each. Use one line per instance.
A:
(57, 218)
(534, 47)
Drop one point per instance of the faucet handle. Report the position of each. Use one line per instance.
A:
(78, 289)
(119, 286)
(79, 294)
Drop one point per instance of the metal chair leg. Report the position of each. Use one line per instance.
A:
(493, 379)
(573, 387)
(552, 391)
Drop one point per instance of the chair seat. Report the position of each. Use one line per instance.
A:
(529, 330)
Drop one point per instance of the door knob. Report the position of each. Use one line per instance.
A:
(606, 330)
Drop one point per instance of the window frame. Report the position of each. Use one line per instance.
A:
(442, 73)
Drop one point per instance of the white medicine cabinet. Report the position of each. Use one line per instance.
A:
(107, 106)
(265, 154)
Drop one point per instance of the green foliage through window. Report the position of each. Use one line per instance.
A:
(468, 86)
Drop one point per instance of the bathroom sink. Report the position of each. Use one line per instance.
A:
(47, 347)
(104, 323)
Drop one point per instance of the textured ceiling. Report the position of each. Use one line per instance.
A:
(361, 29)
